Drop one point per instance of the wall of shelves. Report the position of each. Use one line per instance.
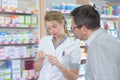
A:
(19, 37)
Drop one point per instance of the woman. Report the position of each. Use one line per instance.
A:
(59, 56)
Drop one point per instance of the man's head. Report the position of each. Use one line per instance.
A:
(85, 20)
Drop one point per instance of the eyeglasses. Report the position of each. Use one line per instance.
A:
(72, 28)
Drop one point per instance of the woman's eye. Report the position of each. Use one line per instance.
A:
(54, 26)
(48, 28)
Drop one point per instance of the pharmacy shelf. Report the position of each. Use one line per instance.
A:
(19, 31)
(63, 11)
(81, 74)
(16, 43)
(109, 16)
(83, 58)
(18, 11)
(33, 78)
(82, 45)
(81, 78)
(17, 57)
(17, 26)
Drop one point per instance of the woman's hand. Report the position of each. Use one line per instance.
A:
(53, 60)
(38, 61)
(40, 55)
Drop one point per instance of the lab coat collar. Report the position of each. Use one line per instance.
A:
(56, 45)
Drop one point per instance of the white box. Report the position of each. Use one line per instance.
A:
(27, 20)
(34, 20)
(8, 20)
(16, 74)
(16, 64)
(2, 18)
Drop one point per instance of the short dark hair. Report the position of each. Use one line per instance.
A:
(86, 15)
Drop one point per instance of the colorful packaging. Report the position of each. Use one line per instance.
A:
(27, 20)
(8, 20)
(34, 20)
(2, 18)
(116, 10)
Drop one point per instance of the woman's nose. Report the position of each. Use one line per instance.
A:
(52, 30)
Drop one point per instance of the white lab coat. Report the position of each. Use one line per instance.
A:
(71, 51)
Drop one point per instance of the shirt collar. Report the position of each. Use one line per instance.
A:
(92, 37)
(56, 45)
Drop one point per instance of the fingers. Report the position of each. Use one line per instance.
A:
(40, 55)
(52, 59)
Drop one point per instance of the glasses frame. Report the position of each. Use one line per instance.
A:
(73, 28)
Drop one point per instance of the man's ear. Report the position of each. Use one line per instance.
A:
(84, 29)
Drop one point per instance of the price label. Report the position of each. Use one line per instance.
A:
(14, 25)
(3, 10)
(7, 57)
(31, 56)
(21, 56)
(14, 11)
(8, 25)
(24, 12)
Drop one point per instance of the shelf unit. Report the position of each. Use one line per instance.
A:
(18, 11)
(63, 11)
(109, 16)
(111, 24)
(13, 39)
(17, 57)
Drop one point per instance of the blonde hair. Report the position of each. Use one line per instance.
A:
(57, 16)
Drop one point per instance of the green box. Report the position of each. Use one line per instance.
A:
(34, 20)
(27, 20)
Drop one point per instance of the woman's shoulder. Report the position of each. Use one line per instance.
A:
(72, 41)
(72, 44)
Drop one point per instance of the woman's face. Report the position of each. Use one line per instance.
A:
(55, 28)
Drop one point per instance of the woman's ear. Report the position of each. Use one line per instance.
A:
(63, 22)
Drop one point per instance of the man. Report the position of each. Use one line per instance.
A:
(103, 50)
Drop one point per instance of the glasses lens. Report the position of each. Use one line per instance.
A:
(71, 28)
